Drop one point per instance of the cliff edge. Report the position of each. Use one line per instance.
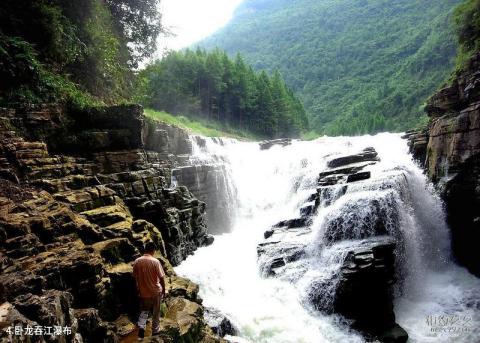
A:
(80, 194)
(449, 148)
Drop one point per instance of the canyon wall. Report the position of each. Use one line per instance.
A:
(80, 194)
(449, 148)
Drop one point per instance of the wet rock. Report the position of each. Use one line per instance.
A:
(268, 233)
(274, 255)
(292, 223)
(452, 158)
(209, 240)
(362, 219)
(395, 334)
(358, 177)
(307, 211)
(355, 234)
(220, 324)
(368, 154)
(363, 290)
(265, 145)
(417, 143)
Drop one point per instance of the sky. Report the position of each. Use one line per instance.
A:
(192, 20)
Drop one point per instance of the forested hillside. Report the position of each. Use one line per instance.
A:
(214, 87)
(80, 52)
(467, 24)
(358, 65)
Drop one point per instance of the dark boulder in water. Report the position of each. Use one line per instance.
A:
(359, 236)
(358, 176)
(362, 291)
(219, 322)
(368, 154)
(265, 145)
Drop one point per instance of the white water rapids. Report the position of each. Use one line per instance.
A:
(271, 185)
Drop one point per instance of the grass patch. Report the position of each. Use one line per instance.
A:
(199, 126)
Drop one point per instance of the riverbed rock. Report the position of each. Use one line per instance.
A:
(368, 154)
(265, 145)
(363, 288)
(362, 234)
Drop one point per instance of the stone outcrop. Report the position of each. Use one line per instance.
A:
(361, 289)
(452, 158)
(80, 194)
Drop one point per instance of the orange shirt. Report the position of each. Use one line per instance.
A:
(147, 271)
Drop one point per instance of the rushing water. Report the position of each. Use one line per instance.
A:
(271, 185)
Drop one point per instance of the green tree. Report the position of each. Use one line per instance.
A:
(215, 87)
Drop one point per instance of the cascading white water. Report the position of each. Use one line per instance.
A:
(272, 185)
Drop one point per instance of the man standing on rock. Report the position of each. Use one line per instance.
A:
(150, 279)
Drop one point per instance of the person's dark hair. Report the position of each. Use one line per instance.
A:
(150, 247)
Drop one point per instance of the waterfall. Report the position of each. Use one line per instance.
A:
(268, 186)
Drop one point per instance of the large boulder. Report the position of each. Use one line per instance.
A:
(362, 290)
(265, 145)
(368, 154)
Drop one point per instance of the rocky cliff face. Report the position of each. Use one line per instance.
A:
(450, 151)
(80, 193)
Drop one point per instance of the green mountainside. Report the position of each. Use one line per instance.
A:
(359, 66)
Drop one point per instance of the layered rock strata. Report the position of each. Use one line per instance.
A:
(80, 194)
(361, 289)
(451, 156)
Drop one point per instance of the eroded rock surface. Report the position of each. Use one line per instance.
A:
(80, 194)
(450, 150)
(363, 243)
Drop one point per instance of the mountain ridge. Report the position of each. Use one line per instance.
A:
(359, 66)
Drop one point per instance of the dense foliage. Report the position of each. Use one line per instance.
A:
(358, 65)
(54, 50)
(215, 87)
(467, 20)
